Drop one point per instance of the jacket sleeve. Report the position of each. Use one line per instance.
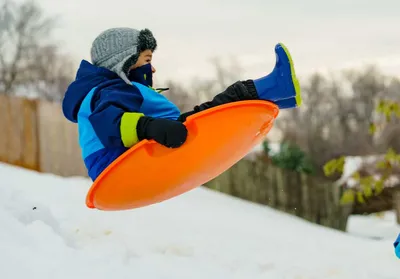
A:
(238, 91)
(115, 117)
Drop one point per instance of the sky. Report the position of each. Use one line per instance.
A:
(321, 35)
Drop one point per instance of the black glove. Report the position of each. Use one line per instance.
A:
(183, 116)
(169, 133)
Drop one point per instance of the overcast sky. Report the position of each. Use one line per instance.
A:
(319, 34)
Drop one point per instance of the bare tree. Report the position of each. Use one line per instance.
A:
(201, 89)
(29, 61)
(50, 75)
(180, 96)
(224, 75)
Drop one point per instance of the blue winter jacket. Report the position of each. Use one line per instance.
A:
(397, 246)
(107, 110)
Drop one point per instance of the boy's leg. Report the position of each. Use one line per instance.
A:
(239, 91)
(280, 87)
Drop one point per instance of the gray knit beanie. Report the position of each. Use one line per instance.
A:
(117, 49)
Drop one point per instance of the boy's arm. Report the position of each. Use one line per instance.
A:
(115, 118)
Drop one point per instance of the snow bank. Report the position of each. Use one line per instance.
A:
(47, 232)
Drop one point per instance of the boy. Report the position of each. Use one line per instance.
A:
(115, 106)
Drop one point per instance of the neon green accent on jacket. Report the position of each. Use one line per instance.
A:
(129, 122)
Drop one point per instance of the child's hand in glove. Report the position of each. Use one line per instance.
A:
(169, 133)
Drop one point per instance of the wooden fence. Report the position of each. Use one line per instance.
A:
(36, 135)
(307, 197)
(18, 128)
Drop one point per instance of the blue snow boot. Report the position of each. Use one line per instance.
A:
(287, 103)
(281, 85)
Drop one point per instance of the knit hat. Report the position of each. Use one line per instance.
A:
(117, 49)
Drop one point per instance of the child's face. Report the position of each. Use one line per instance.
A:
(144, 58)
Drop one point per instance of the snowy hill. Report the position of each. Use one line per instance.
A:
(47, 232)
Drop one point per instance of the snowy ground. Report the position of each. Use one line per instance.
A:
(47, 232)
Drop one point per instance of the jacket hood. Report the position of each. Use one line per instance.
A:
(87, 77)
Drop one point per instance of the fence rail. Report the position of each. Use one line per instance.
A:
(307, 197)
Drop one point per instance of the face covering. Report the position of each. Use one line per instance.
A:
(142, 75)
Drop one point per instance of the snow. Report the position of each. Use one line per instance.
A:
(47, 232)
(259, 149)
(375, 226)
(354, 164)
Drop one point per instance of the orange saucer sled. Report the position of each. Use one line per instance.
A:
(150, 173)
